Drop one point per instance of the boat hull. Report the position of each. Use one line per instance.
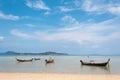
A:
(20, 60)
(94, 64)
(36, 59)
(49, 61)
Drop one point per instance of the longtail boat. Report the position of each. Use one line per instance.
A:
(36, 59)
(23, 60)
(94, 63)
(49, 61)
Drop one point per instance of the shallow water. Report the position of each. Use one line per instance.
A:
(62, 64)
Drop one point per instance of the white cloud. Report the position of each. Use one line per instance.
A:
(94, 34)
(47, 13)
(20, 34)
(115, 10)
(83, 33)
(70, 6)
(9, 16)
(65, 9)
(93, 6)
(87, 6)
(69, 20)
(1, 38)
(38, 4)
(100, 6)
(30, 25)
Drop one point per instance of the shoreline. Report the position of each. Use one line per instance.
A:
(57, 76)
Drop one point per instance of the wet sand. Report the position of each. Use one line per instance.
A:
(57, 76)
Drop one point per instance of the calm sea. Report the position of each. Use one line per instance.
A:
(62, 64)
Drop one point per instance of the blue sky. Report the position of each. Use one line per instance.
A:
(70, 26)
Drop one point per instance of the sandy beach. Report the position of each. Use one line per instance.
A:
(53, 76)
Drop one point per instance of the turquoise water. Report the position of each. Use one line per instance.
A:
(62, 64)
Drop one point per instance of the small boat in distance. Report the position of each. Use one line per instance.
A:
(49, 61)
(94, 63)
(36, 59)
(23, 60)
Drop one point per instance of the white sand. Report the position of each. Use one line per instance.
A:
(53, 76)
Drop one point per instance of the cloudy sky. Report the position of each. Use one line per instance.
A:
(70, 26)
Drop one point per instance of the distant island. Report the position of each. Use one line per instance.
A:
(20, 53)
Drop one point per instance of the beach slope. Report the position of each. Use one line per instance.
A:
(58, 76)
